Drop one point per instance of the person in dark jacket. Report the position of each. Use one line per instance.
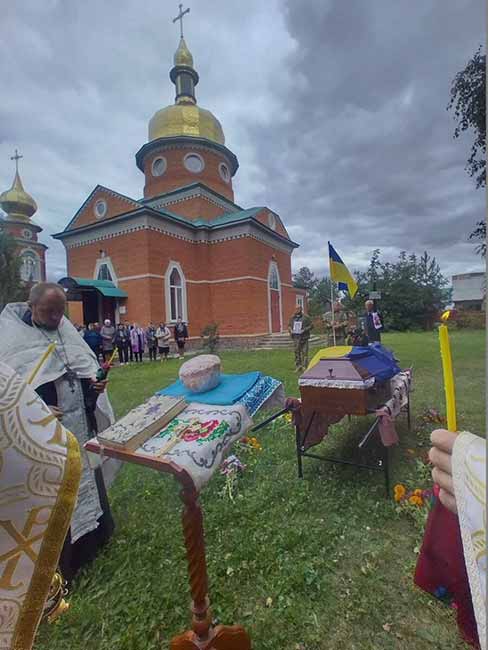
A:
(93, 339)
(152, 342)
(181, 335)
(122, 343)
(373, 322)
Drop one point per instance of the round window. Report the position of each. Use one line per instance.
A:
(224, 172)
(194, 163)
(271, 221)
(100, 209)
(26, 234)
(158, 166)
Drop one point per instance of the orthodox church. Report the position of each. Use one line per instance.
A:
(186, 249)
(19, 207)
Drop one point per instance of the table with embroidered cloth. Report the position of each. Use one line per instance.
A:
(191, 448)
(347, 380)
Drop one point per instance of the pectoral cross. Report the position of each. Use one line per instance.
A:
(17, 156)
(180, 18)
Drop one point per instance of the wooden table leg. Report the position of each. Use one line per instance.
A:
(202, 636)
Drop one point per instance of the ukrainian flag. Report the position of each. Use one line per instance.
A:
(340, 273)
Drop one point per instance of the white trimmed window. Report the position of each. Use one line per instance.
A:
(176, 306)
(274, 280)
(104, 270)
(104, 273)
(30, 267)
(194, 163)
(300, 301)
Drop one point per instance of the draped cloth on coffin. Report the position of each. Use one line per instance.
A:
(40, 469)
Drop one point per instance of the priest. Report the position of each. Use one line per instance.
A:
(67, 384)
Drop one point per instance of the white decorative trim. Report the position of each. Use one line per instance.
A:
(167, 294)
(100, 262)
(103, 203)
(337, 383)
(34, 254)
(242, 277)
(274, 266)
(143, 276)
(300, 300)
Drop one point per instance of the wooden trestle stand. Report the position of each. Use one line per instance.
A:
(203, 635)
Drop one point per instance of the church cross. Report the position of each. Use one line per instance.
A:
(17, 157)
(180, 18)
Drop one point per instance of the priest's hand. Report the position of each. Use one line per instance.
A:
(98, 386)
(441, 457)
(58, 413)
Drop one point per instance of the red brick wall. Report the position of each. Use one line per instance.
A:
(240, 307)
(195, 208)
(115, 206)
(263, 218)
(176, 174)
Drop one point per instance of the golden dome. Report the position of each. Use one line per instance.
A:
(183, 55)
(185, 119)
(16, 202)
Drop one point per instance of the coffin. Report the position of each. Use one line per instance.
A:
(341, 386)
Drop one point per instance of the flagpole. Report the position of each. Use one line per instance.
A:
(331, 296)
(332, 308)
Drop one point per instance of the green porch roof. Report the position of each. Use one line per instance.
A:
(105, 287)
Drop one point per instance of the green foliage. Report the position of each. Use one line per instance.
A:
(475, 320)
(479, 235)
(319, 298)
(412, 290)
(210, 336)
(319, 563)
(468, 99)
(304, 279)
(12, 289)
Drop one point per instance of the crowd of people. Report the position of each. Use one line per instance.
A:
(132, 342)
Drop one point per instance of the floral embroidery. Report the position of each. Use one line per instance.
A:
(195, 431)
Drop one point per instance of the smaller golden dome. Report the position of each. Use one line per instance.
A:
(183, 55)
(185, 119)
(16, 202)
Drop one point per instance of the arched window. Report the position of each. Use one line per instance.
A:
(175, 293)
(104, 273)
(274, 281)
(30, 268)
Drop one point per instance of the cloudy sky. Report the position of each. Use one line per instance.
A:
(336, 110)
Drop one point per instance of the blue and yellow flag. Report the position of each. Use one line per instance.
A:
(340, 273)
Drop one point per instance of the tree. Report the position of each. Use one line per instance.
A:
(304, 279)
(468, 99)
(12, 289)
(319, 298)
(412, 290)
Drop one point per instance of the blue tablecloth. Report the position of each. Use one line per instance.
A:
(230, 389)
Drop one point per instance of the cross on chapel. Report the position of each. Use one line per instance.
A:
(180, 18)
(17, 157)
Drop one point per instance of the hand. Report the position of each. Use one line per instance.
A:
(441, 457)
(99, 386)
(58, 413)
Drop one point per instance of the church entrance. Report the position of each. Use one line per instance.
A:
(274, 294)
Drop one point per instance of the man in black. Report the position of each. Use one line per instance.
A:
(373, 324)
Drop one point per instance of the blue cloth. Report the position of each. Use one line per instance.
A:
(230, 389)
(377, 359)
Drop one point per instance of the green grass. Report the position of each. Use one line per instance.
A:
(334, 556)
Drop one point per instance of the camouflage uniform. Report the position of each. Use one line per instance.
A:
(300, 341)
(341, 322)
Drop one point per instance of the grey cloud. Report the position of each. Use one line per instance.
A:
(335, 109)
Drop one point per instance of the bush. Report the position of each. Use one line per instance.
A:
(474, 320)
(210, 336)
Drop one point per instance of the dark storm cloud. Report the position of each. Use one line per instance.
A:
(336, 110)
(366, 157)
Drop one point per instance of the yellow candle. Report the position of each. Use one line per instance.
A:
(112, 357)
(42, 360)
(448, 376)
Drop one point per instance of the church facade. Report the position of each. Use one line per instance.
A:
(186, 249)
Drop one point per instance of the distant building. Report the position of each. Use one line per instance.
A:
(469, 291)
(19, 207)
